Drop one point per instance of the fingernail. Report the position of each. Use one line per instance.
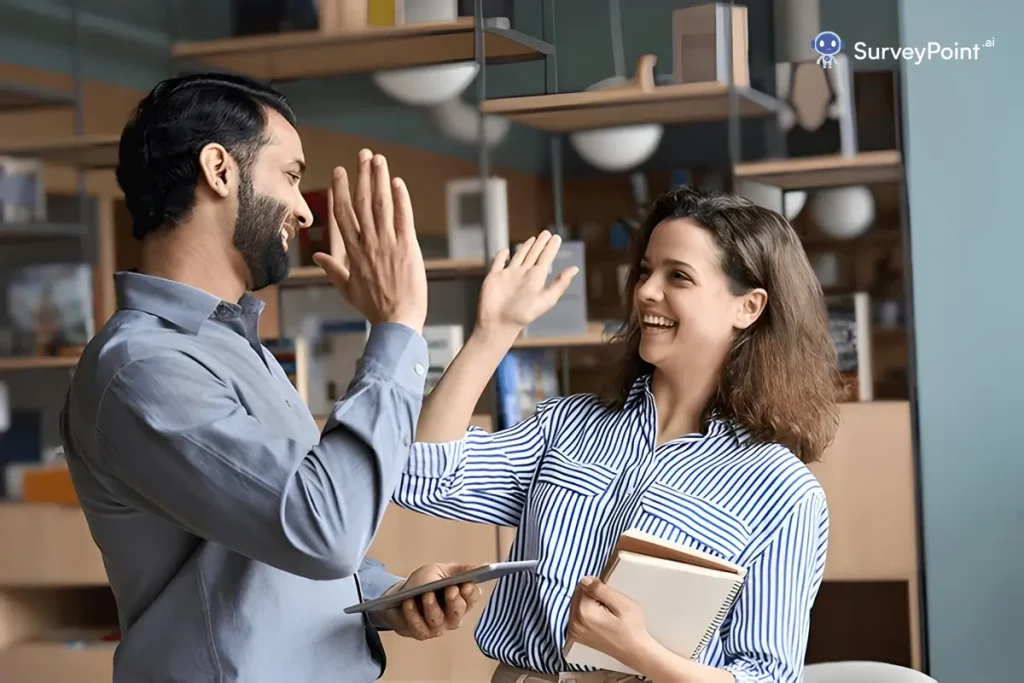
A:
(365, 155)
(397, 182)
(339, 172)
(377, 160)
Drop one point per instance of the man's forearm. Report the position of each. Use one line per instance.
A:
(343, 487)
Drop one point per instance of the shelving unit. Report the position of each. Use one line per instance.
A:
(628, 106)
(312, 54)
(54, 598)
(817, 172)
(595, 336)
(20, 97)
(36, 362)
(437, 269)
(86, 152)
(34, 232)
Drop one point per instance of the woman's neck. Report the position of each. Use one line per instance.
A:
(681, 397)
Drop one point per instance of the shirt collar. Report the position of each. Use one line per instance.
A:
(181, 305)
(717, 426)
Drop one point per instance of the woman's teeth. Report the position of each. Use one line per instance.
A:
(658, 321)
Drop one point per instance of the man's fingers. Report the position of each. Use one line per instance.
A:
(382, 204)
(433, 613)
(334, 238)
(336, 271)
(414, 620)
(342, 211)
(455, 607)
(405, 227)
(470, 593)
(364, 198)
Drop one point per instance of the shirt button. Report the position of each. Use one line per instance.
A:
(405, 441)
(419, 369)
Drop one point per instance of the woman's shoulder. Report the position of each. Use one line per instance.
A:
(777, 480)
(575, 407)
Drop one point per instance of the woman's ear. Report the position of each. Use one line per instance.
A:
(751, 306)
(215, 165)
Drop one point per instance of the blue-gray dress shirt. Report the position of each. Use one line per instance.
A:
(233, 531)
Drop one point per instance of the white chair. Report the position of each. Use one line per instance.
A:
(862, 672)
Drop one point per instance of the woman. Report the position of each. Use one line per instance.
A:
(727, 386)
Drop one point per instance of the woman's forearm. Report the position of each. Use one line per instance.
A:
(448, 409)
(660, 665)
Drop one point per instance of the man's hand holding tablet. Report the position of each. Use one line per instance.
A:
(435, 597)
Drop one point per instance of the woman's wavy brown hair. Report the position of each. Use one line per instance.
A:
(780, 382)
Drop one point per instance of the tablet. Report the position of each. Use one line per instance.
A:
(482, 574)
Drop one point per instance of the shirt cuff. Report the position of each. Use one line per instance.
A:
(434, 460)
(399, 353)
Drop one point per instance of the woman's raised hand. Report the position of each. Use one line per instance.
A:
(516, 293)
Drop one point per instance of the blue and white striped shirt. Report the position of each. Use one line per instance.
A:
(575, 475)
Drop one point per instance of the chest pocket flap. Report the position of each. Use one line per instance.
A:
(708, 523)
(584, 478)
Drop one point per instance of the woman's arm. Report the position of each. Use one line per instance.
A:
(512, 296)
(765, 638)
(449, 407)
(467, 474)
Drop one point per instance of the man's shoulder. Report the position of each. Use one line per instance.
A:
(127, 338)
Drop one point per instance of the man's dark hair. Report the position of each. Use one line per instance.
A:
(158, 158)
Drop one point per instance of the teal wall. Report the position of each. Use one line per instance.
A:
(963, 163)
(127, 42)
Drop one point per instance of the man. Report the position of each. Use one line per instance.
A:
(232, 530)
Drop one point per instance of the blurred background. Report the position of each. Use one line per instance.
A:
(880, 129)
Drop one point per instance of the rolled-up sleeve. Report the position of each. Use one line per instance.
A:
(765, 639)
(481, 478)
(179, 437)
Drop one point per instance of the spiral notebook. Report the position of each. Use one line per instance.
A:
(685, 595)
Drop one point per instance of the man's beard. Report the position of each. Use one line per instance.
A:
(257, 237)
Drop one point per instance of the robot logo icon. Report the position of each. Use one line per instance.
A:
(828, 45)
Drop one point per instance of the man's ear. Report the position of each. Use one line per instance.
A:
(216, 167)
(752, 305)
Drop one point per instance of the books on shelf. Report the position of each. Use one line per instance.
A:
(684, 593)
(849, 322)
(524, 378)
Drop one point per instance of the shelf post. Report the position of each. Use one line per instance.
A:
(483, 153)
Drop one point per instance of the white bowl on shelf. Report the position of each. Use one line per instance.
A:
(427, 86)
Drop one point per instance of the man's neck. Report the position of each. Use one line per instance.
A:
(193, 256)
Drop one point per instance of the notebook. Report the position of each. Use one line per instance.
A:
(685, 595)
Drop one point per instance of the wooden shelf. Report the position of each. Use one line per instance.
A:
(637, 101)
(49, 659)
(19, 96)
(36, 362)
(88, 152)
(595, 336)
(37, 232)
(47, 545)
(686, 103)
(825, 171)
(437, 269)
(312, 54)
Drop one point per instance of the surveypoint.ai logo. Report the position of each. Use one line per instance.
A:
(932, 50)
(827, 44)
